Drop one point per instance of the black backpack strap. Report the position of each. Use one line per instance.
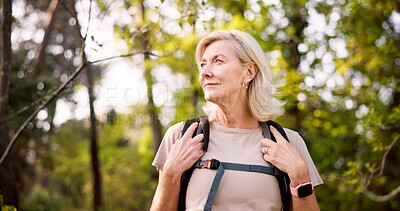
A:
(265, 130)
(188, 173)
(204, 128)
(283, 179)
(279, 128)
(187, 124)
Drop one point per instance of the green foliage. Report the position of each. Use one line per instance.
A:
(126, 169)
(41, 199)
(125, 160)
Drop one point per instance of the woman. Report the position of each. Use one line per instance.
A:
(237, 86)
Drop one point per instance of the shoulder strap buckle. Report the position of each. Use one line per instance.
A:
(207, 164)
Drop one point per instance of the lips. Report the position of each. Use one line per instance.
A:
(208, 85)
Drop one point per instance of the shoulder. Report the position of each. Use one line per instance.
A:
(296, 140)
(293, 136)
(174, 131)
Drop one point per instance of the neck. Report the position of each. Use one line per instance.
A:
(236, 117)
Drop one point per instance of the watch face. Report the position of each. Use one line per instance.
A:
(305, 190)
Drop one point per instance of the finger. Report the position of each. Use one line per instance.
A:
(198, 140)
(277, 134)
(265, 150)
(200, 153)
(267, 158)
(198, 137)
(267, 142)
(189, 132)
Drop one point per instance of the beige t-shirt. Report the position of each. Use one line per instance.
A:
(238, 190)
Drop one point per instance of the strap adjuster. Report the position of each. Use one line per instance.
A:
(208, 164)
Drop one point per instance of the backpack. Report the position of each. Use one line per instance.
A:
(213, 164)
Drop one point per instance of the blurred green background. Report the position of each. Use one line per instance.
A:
(90, 132)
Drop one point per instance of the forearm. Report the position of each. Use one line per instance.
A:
(301, 176)
(167, 193)
(306, 203)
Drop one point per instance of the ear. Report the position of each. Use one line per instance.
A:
(251, 71)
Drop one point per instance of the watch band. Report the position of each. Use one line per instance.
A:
(302, 190)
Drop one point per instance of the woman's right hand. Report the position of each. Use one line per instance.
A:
(184, 152)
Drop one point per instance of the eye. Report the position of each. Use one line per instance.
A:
(217, 61)
(203, 64)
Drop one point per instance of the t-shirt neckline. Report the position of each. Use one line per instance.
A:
(226, 129)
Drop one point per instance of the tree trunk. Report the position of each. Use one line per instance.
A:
(8, 185)
(93, 144)
(48, 23)
(97, 199)
(151, 108)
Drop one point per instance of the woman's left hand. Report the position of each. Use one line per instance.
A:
(284, 156)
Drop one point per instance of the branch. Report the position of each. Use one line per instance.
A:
(45, 103)
(122, 56)
(386, 154)
(370, 194)
(89, 18)
(389, 127)
(381, 167)
(381, 198)
(22, 110)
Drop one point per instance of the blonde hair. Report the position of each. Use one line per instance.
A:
(263, 105)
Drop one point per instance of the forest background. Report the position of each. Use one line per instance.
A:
(88, 88)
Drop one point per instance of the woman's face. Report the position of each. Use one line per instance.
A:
(221, 74)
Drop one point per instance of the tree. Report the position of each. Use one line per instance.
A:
(144, 39)
(97, 201)
(94, 151)
(8, 186)
(373, 60)
(41, 64)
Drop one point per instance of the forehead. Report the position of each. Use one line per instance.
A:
(220, 47)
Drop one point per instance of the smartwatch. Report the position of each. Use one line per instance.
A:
(302, 190)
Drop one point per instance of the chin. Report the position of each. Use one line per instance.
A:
(214, 97)
(210, 98)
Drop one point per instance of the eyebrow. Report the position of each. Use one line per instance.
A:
(215, 56)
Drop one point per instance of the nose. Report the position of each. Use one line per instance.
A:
(206, 72)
